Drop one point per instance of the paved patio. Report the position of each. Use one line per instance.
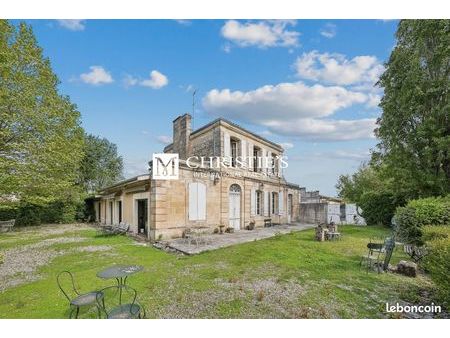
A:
(216, 241)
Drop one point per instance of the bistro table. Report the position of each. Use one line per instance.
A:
(120, 273)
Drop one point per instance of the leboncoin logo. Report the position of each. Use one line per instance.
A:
(165, 167)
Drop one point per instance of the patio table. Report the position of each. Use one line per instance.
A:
(120, 273)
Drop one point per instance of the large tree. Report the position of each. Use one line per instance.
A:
(41, 140)
(414, 129)
(101, 165)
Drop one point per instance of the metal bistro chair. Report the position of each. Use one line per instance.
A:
(77, 299)
(119, 302)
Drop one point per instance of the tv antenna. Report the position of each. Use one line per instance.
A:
(193, 106)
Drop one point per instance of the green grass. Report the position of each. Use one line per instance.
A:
(287, 276)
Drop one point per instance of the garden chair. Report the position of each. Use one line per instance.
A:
(7, 225)
(75, 298)
(415, 252)
(119, 302)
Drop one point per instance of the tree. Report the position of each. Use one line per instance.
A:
(41, 140)
(414, 129)
(101, 166)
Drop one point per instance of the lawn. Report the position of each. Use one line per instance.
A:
(287, 276)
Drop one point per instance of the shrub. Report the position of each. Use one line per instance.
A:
(407, 226)
(8, 211)
(437, 262)
(28, 214)
(432, 210)
(419, 213)
(378, 207)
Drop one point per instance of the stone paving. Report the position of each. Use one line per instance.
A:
(216, 241)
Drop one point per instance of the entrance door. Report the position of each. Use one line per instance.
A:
(142, 215)
(289, 207)
(235, 207)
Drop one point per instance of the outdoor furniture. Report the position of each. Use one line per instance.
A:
(120, 273)
(119, 302)
(415, 252)
(197, 236)
(115, 229)
(379, 254)
(75, 298)
(268, 222)
(7, 225)
(333, 236)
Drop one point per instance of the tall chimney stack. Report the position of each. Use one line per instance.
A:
(181, 133)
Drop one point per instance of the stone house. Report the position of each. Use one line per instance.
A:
(244, 185)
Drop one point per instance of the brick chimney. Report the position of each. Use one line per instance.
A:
(181, 133)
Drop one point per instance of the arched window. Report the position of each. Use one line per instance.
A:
(235, 188)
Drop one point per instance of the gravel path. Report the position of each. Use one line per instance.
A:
(20, 263)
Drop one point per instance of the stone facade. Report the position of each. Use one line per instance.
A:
(229, 196)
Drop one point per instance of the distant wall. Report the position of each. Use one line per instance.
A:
(325, 212)
(313, 212)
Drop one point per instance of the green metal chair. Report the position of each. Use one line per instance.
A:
(75, 298)
(119, 302)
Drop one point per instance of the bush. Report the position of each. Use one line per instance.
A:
(407, 226)
(432, 210)
(419, 213)
(29, 214)
(437, 262)
(378, 207)
(8, 211)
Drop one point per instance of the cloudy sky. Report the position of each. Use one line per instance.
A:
(306, 84)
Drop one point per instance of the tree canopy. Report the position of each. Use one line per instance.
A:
(101, 166)
(41, 140)
(411, 159)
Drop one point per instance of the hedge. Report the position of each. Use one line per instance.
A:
(28, 214)
(419, 213)
(378, 207)
(437, 262)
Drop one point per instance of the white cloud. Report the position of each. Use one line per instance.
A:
(293, 109)
(262, 34)
(287, 145)
(73, 25)
(337, 69)
(135, 166)
(329, 30)
(184, 22)
(97, 76)
(325, 129)
(283, 101)
(164, 139)
(157, 80)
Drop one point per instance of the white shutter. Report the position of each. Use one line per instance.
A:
(226, 144)
(266, 203)
(244, 153)
(253, 203)
(193, 198)
(269, 162)
(250, 155)
(281, 202)
(201, 201)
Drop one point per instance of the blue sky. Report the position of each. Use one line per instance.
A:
(307, 84)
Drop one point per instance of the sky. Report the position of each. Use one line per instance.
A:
(308, 85)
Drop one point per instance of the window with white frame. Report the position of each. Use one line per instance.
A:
(274, 203)
(259, 197)
(197, 201)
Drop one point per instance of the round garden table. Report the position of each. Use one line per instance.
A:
(120, 273)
